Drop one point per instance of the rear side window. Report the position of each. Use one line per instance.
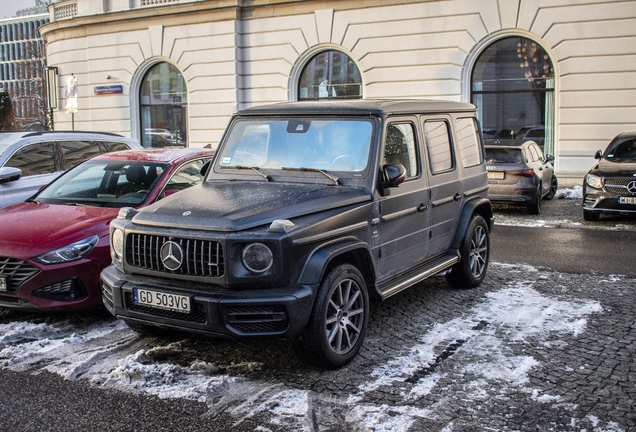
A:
(438, 145)
(107, 146)
(468, 142)
(400, 147)
(75, 152)
(37, 158)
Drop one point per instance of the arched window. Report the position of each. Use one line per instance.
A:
(330, 75)
(513, 88)
(164, 107)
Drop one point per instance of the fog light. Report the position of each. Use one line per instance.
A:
(257, 258)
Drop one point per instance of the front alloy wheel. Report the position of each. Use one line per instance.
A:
(475, 253)
(338, 323)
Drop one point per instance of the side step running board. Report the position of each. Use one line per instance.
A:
(425, 271)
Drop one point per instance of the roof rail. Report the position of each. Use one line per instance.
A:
(32, 134)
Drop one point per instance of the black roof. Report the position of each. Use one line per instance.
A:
(378, 107)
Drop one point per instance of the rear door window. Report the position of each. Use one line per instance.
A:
(439, 145)
(75, 152)
(33, 159)
(108, 146)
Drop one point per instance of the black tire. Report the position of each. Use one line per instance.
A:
(475, 254)
(338, 322)
(535, 207)
(591, 216)
(554, 185)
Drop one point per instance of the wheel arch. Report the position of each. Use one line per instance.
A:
(346, 250)
(480, 206)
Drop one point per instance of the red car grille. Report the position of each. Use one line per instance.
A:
(15, 271)
(200, 257)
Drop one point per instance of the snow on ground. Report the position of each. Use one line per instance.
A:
(570, 193)
(110, 355)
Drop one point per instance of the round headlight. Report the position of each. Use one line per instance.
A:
(117, 242)
(257, 258)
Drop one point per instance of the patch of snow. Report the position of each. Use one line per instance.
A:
(570, 193)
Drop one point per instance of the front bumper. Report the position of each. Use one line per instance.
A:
(605, 202)
(278, 312)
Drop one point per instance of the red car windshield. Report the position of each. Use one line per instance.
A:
(104, 184)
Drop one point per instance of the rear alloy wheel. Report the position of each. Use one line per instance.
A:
(591, 216)
(535, 207)
(338, 323)
(475, 254)
(554, 185)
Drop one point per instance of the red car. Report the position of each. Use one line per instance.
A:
(54, 245)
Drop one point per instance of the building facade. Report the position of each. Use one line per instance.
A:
(172, 72)
(22, 68)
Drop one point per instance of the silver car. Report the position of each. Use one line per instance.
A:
(519, 174)
(30, 160)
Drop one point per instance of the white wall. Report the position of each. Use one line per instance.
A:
(403, 50)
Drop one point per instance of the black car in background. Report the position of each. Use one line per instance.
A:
(610, 186)
(519, 174)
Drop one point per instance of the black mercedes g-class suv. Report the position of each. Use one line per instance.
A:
(309, 210)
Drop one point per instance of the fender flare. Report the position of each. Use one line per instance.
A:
(314, 269)
(482, 206)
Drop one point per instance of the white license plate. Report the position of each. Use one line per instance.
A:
(160, 300)
(627, 200)
(495, 175)
(3, 284)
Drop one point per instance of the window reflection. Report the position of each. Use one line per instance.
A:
(330, 75)
(163, 107)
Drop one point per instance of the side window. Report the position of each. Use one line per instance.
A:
(107, 147)
(438, 145)
(75, 152)
(187, 175)
(34, 159)
(468, 141)
(400, 147)
(533, 157)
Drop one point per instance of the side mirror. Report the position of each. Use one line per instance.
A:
(549, 158)
(394, 174)
(598, 154)
(8, 174)
(205, 168)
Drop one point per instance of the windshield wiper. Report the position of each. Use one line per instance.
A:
(326, 174)
(256, 170)
(79, 204)
(32, 200)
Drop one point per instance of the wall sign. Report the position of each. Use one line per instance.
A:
(109, 89)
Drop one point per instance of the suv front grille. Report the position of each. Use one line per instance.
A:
(200, 257)
(618, 186)
(15, 271)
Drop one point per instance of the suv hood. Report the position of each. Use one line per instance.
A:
(615, 168)
(234, 206)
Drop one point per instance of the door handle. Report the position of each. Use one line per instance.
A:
(457, 196)
(422, 207)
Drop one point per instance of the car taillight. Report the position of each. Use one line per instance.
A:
(524, 173)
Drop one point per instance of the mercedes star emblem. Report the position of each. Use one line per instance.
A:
(171, 255)
(631, 187)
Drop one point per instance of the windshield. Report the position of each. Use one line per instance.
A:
(315, 144)
(622, 148)
(104, 184)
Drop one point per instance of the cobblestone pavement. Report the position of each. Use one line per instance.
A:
(531, 349)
